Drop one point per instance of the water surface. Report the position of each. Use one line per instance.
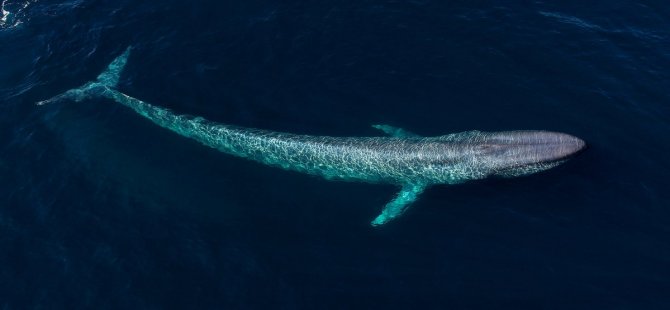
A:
(100, 208)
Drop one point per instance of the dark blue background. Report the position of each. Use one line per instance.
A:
(102, 209)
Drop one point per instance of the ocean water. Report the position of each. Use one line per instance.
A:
(101, 209)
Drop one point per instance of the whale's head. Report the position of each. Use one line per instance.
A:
(517, 153)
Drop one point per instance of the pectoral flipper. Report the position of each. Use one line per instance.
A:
(396, 207)
(395, 131)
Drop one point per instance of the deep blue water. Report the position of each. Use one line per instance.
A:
(101, 209)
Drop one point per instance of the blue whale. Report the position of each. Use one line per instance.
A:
(402, 158)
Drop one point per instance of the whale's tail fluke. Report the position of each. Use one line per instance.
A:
(110, 77)
(107, 80)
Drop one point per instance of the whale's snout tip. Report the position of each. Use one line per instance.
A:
(582, 145)
(558, 146)
(574, 145)
(540, 146)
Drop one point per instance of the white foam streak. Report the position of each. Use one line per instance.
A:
(9, 19)
(4, 12)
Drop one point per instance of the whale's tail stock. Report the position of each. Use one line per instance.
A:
(106, 81)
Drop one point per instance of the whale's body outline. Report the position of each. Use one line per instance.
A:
(402, 158)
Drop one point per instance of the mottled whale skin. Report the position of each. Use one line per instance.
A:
(410, 161)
